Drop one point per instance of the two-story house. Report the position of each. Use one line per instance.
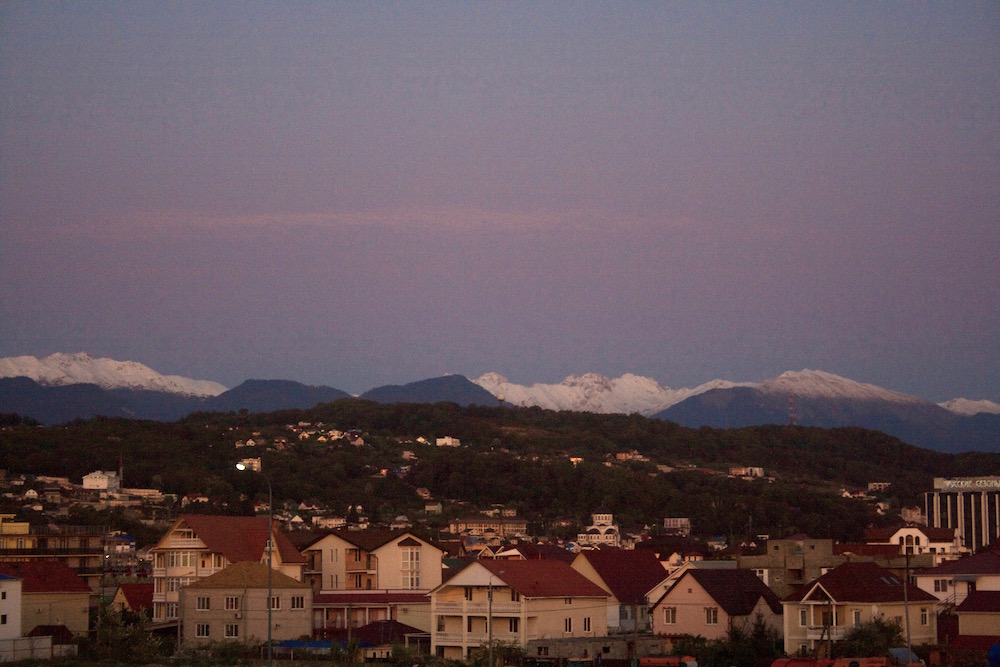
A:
(915, 539)
(514, 601)
(710, 602)
(851, 594)
(199, 545)
(952, 581)
(52, 595)
(628, 576)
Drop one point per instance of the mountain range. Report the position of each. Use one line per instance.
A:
(63, 387)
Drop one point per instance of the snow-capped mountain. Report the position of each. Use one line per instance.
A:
(963, 406)
(592, 392)
(67, 369)
(819, 384)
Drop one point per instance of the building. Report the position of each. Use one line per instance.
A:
(514, 601)
(978, 621)
(709, 602)
(10, 607)
(677, 525)
(52, 595)
(481, 525)
(80, 548)
(338, 613)
(106, 481)
(199, 545)
(916, 539)
(602, 532)
(231, 605)
(951, 582)
(849, 595)
(134, 598)
(628, 577)
(792, 562)
(366, 560)
(970, 505)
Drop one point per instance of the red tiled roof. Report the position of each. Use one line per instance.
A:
(138, 596)
(378, 633)
(861, 582)
(247, 574)
(240, 538)
(629, 574)
(871, 550)
(984, 562)
(736, 591)
(981, 601)
(45, 576)
(371, 539)
(373, 598)
(543, 578)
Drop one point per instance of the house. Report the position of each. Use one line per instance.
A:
(231, 605)
(978, 620)
(199, 545)
(709, 602)
(51, 595)
(514, 601)
(852, 594)
(378, 638)
(10, 607)
(79, 548)
(135, 598)
(102, 480)
(337, 612)
(628, 577)
(913, 539)
(371, 560)
(952, 581)
(484, 526)
(528, 551)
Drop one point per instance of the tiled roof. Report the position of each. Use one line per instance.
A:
(984, 562)
(45, 576)
(628, 574)
(371, 539)
(378, 633)
(240, 538)
(860, 582)
(246, 574)
(736, 591)
(871, 550)
(543, 578)
(138, 596)
(933, 534)
(981, 601)
(372, 598)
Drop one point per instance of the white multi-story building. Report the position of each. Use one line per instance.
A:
(603, 532)
(102, 480)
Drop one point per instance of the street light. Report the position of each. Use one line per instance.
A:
(270, 529)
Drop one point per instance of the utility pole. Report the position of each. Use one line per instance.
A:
(489, 620)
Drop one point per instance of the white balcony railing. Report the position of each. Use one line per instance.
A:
(833, 632)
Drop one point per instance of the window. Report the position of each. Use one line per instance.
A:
(514, 596)
(857, 617)
(298, 602)
(711, 615)
(203, 603)
(411, 567)
(232, 630)
(232, 602)
(670, 615)
(275, 602)
(543, 650)
(586, 624)
(468, 624)
(3, 619)
(3, 595)
(567, 600)
(940, 585)
(171, 609)
(440, 625)
(923, 616)
(514, 625)
(468, 593)
(803, 618)
(568, 624)
(202, 630)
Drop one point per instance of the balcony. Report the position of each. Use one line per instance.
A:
(833, 632)
(478, 608)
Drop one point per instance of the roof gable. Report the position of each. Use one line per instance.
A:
(629, 574)
(138, 596)
(239, 538)
(246, 574)
(861, 582)
(736, 591)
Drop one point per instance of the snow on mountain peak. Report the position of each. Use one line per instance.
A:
(967, 407)
(819, 384)
(81, 368)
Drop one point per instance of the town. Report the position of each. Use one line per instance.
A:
(298, 578)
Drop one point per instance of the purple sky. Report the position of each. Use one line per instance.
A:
(357, 194)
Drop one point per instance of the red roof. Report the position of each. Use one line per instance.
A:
(543, 578)
(860, 582)
(371, 539)
(981, 601)
(984, 562)
(138, 596)
(629, 574)
(240, 538)
(371, 599)
(932, 534)
(871, 550)
(736, 591)
(45, 576)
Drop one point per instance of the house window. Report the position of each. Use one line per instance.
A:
(203, 603)
(468, 593)
(411, 568)
(514, 596)
(543, 650)
(232, 602)
(711, 615)
(440, 625)
(514, 625)
(275, 602)
(171, 609)
(468, 624)
(857, 617)
(568, 624)
(202, 630)
(586, 624)
(232, 630)
(923, 616)
(670, 615)
(298, 602)
(567, 600)
(940, 585)
(3, 619)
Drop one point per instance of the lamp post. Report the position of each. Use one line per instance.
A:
(270, 529)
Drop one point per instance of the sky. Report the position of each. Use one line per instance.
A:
(356, 194)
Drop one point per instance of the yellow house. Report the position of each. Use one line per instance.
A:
(514, 601)
(51, 595)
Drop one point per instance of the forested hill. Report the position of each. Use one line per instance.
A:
(518, 457)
